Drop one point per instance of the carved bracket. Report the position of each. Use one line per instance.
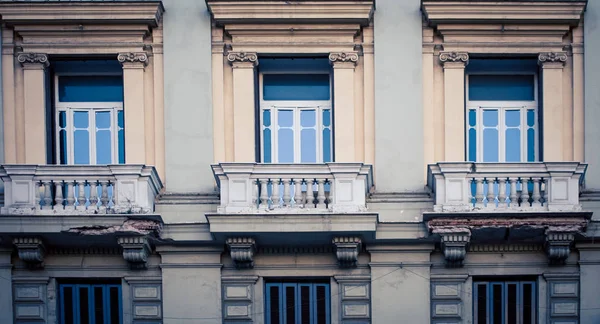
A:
(552, 57)
(242, 57)
(242, 251)
(136, 250)
(132, 57)
(346, 250)
(341, 57)
(33, 58)
(454, 57)
(558, 246)
(454, 247)
(31, 250)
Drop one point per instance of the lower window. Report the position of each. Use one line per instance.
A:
(504, 302)
(297, 303)
(90, 304)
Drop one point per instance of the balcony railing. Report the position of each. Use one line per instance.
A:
(506, 187)
(293, 188)
(79, 189)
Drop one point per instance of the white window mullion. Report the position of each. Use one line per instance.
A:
(502, 134)
(297, 131)
(92, 135)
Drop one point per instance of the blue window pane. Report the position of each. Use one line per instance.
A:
(490, 145)
(308, 147)
(308, 118)
(513, 145)
(62, 134)
(285, 118)
(472, 117)
(472, 145)
(326, 117)
(81, 140)
(501, 87)
(62, 119)
(103, 147)
(90, 88)
(530, 118)
(490, 118)
(296, 87)
(121, 136)
(530, 145)
(267, 145)
(266, 118)
(103, 119)
(285, 146)
(513, 118)
(81, 119)
(327, 145)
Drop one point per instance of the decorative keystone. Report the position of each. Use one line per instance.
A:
(343, 57)
(133, 57)
(33, 58)
(558, 246)
(456, 57)
(346, 250)
(552, 57)
(242, 251)
(242, 57)
(454, 246)
(135, 251)
(31, 250)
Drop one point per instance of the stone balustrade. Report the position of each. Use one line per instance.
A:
(506, 187)
(77, 189)
(293, 188)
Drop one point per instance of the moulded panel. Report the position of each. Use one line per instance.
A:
(560, 190)
(22, 191)
(146, 310)
(29, 293)
(564, 308)
(146, 292)
(352, 310)
(564, 289)
(454, 190)
(444, 309)
(352, 291)
(237, 310)
(344, 191)
(237, 191)
(30, 311)
(446, 290)
(126, 191)
(237, 292)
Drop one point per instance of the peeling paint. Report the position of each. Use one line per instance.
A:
(459, 225)
(130, 226)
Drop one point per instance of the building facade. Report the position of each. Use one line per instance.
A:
(306, 162)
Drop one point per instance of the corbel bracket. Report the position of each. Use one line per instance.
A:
(558, 246)
(136, 250)
(31, 250)
(347, 250)
(242, 251)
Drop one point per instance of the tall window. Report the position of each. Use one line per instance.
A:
(297, 303)
(90, 304)
(295, 110)
(89, 114)
(504, 302)
(502, 111)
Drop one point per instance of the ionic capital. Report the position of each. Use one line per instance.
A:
(454, 57)
(136, 250)
(133, 58)
(558, 246)
(37, 59)
(552, 57)
(347, 250)
(251, 59)
(343, 58)
(31, 250)
(242, 251)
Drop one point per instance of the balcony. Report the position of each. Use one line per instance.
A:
(79, 189)
(506, 187)
(252, 188)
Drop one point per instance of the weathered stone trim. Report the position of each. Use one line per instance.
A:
(347, 250)
(242, 251)
(31, 250)
(136, 250)
(558, 246)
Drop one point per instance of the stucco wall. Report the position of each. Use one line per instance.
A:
(399, 161)
(592, 95)
(188, 112)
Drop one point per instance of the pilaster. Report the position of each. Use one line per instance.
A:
(243, 65)
(134, 64)
(589, 267)
(344, 64)
(6, 298)
(454, 64)
(34, 104)
(552, 64)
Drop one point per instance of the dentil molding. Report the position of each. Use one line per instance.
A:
(242, 251)
(347, 250)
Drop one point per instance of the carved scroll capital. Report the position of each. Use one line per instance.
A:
(347, 250)
(558, 246)
(33, 58)
(343, 57)
(133, 57)
(31, 250)
(136, 250)
(454, 57)
(242, 57)
(242, 251)
(552, 57)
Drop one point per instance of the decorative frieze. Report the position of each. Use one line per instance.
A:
(552, 57)
(558, 246)
(242, 251)
(454, 245)
(33, 58)
(242, 57)
(454, 57)
(31, 250)
(136, 250)
(347, 250)
(133, 57)
(343, 57)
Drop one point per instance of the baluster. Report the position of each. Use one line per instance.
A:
(479, 192)
(255, 187)
(536, 193)
(502, 192)
(298, 201)
(70, 194)
(491, 196)
(58, 194)
(47, 195)
(321, 193)
(275, 195)
(329, 194)
(310, 193)
(81, 194)
(38, 200)
(286, 193)
(104, 193)
(544, 188)
(93, 194)
(525, 192)
(264, 195)
(513, 192)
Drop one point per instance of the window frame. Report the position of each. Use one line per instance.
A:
(502, 106)
(504, 284)
(296, 106)
(298, 300)
(76, 311)
(91, 107)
